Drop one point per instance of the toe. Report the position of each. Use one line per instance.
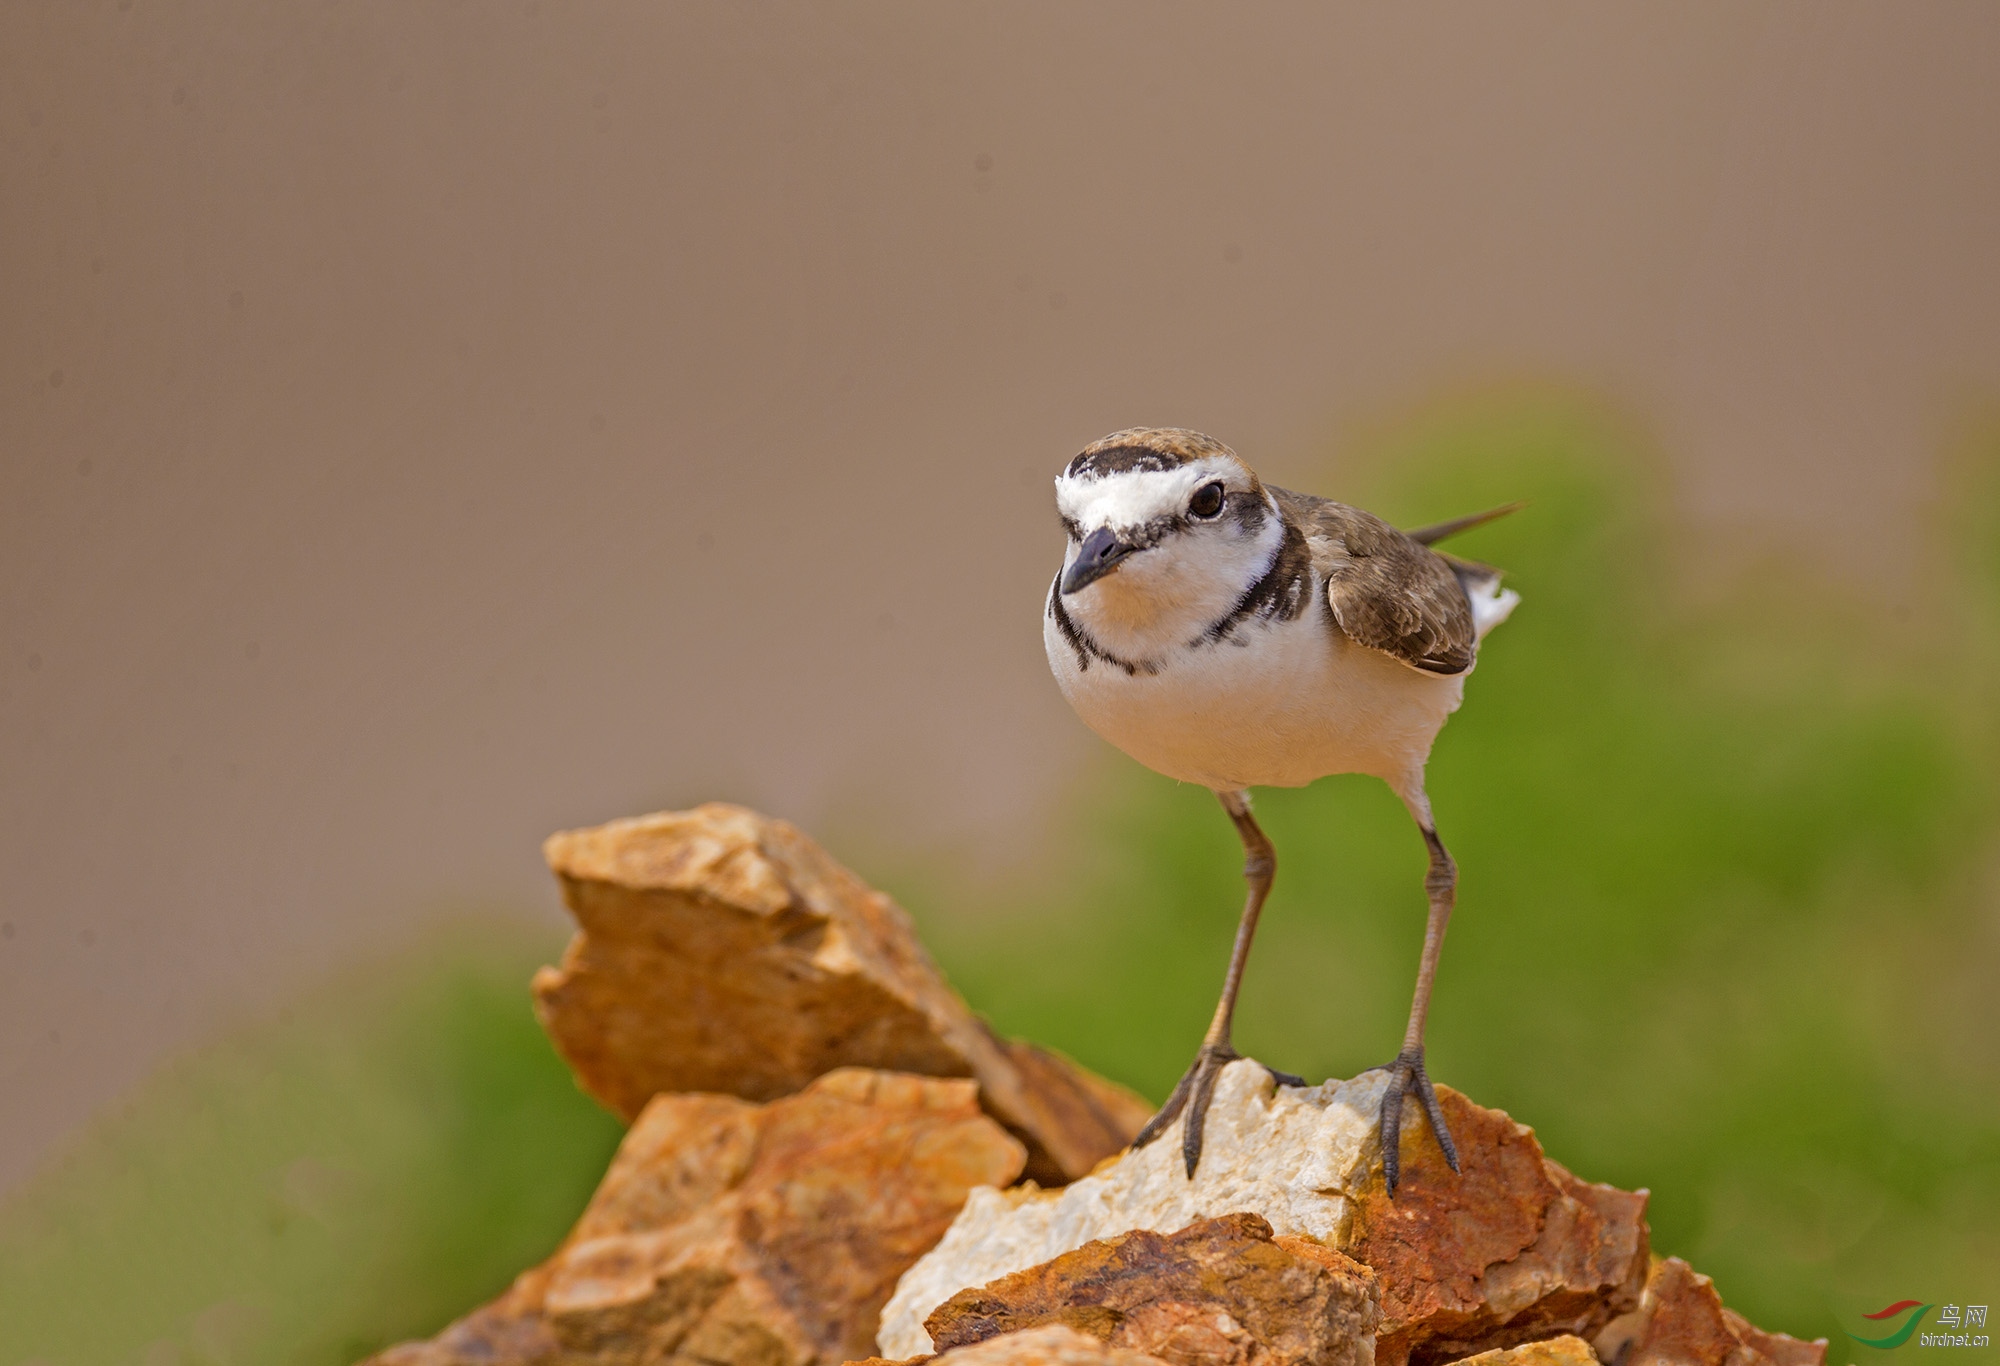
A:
(1435, 1114)
(1159, 1123)
(1391, 1129)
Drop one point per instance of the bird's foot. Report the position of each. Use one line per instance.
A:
(1196, 1089)
(1406, 1077)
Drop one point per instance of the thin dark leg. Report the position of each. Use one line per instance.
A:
(1197, 1087)
(1406, 1073)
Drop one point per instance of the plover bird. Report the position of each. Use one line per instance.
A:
(1226, 632)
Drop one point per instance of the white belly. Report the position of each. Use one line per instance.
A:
(1294, 702)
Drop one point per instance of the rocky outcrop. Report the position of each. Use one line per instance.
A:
(1221, 1292)
(720, 950)
(1510, 1249)
(749, 1235)
(728, 983)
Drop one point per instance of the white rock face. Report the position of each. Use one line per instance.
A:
(1294, 1156)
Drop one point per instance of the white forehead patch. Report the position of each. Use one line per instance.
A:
(1132, 498)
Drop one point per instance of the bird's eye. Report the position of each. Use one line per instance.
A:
(1207, 501)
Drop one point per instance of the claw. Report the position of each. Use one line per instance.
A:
(1204, 1091)
(1406, 1074)
(1169, 1112)
(1192, 1095)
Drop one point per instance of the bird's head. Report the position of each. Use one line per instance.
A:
(1167, 530)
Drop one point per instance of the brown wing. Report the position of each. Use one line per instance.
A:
(1387, 591)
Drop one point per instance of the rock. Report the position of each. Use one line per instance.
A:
(1053, 1345)
(1221, 1292)
(734, 1234)
(719, 950)
(1567, 1350)
(1780, 1348)
(1681, 1321)
(1514, 1249)
(819, 1121)
(1287, 1157)
(1510, 1248)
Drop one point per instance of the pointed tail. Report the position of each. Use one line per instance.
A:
(1431, 535)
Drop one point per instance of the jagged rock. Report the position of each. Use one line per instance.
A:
(723, 959)
(1681, 1321)
(1221, 1292)
(1287, 1157)
(1567, 1350)
(1781, 1348)
(1510, 1248)
(745, 1235)
(1516, 1248)
(720, 950)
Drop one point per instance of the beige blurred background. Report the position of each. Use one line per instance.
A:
(423, 426)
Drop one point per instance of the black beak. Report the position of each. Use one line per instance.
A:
(1100, 554)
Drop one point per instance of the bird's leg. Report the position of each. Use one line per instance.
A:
(1406, 1073)
(1197, 1087)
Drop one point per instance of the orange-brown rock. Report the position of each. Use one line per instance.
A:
(1509, 1249)
(1681, 1321)
(1050, 1345)
(1221, 1292)
(746, 1235)
(720, 950)
(1567, 1350)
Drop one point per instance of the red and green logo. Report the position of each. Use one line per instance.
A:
(1957, 1325)
(1902, 1335)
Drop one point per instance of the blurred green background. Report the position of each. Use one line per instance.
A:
(1728, 929)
